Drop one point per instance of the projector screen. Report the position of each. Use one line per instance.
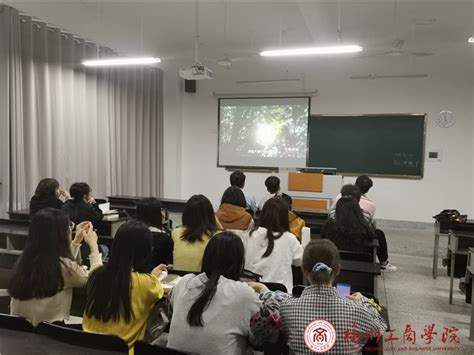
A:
(263, 132)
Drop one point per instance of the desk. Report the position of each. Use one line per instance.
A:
(440, 230)
(457, 231)
(107, 227)
(16, 342)
(470, 268)
(313, 218)
(128, 203)
(361, 275)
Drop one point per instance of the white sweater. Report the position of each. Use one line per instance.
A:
(276, 267)
(226, 319)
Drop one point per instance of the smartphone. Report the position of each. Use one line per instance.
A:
(343, 289)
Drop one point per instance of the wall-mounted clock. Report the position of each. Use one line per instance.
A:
(445, 119)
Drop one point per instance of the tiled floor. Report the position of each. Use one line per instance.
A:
(414, 298)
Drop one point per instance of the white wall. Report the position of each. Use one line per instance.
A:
(191, 125)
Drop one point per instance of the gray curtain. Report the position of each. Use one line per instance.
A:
(102, 126)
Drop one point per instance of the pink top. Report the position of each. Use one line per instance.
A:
(365, 203)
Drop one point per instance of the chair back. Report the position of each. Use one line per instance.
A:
(83, 339)
(275, 286)
(297, 290)
(305, 236)
(237, 232)
(11, 322)
(142, 348)
(356, 256)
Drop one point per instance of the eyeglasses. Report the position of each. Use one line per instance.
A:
(72, 225)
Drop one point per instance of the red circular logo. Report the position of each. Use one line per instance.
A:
(320, 336)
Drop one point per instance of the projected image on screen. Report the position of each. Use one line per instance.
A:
(263, 132)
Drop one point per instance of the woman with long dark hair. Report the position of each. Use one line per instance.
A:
(270, 248)
(215, 313)
(231, 213)
(350, 230)
(190, 240)
(43, 278)
(121, 294)
(47, 195)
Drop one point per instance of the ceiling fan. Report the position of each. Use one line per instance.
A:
(397, 51)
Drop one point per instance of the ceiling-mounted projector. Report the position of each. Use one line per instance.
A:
(197, 71)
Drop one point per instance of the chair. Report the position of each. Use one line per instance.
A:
(238, 232)
(297, 290)
(275, 286)
(11, 322)
(142, 348)
(356, 256)
(305, 236)
(279, 348)
(83, 339)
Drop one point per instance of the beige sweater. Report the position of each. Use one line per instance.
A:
(57, 307)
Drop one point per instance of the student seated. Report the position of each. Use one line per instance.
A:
(354, 191)
(121, 294)
(320, 300)
(237, 178)
(363, 183)
(47, 195)
(231, 213)
(214, 313)
(43, 278)
(273, 188)
(190, 240)
(296, 223)
(270, 249)
(382, 250)
(149, 212)
(82, 206)
(349, 230)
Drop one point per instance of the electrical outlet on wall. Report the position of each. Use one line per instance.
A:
(434, 155)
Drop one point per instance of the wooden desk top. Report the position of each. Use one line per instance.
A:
(312, 211)
(14, 230)
(16, 342)
(137, 198)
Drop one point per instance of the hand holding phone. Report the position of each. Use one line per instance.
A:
(343, 289)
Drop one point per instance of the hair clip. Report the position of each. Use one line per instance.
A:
(321, 267)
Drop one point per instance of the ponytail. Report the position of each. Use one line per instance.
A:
(223, 256)
(197, 309)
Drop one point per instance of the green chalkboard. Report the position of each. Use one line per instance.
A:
(391, 145)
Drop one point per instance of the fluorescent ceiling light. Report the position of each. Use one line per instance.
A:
(471, 40)
(312, 50)
(276, 81)
(120, 61)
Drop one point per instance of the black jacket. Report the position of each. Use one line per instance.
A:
(163, 245)
(37, 204)
(80, 211)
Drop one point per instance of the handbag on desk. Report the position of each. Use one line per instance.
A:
(452, 216)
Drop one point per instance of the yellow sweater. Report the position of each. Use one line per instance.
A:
(187, 256)
(146, 290)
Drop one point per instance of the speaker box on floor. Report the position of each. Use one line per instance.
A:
(460, 265)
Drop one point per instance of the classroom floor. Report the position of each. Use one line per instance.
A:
(413, 297)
